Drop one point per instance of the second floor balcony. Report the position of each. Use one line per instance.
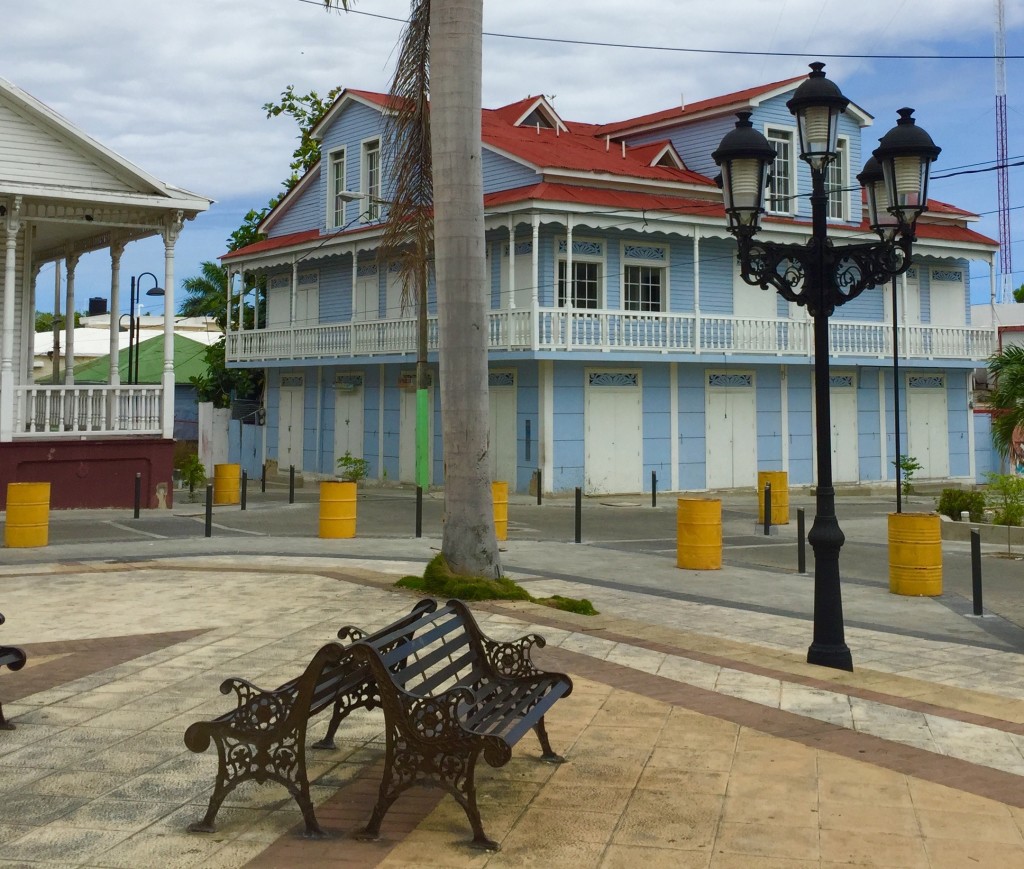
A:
(543, 330)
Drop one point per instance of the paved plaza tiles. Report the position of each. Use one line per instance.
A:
(695, 736)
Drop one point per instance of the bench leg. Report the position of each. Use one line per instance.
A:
(363, 697)
(207, 825)
(4, 723)
(458, 778)
(548, 756)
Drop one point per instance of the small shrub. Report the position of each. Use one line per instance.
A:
(953, 502)
(193, 474)
(351, 469)
(908, 465)
(1006, 496)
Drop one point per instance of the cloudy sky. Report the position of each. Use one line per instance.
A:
(177, 87)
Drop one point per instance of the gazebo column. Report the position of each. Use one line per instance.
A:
(172, 229)
(7, 351)
(69, 320)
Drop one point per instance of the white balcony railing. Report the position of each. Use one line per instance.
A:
(637, 332)
(97, 410)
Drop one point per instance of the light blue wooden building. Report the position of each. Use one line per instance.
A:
(622, 339)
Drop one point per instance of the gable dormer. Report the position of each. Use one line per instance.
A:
(661, 154)
(534, 112)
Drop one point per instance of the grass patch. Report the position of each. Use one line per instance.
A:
(439, 581)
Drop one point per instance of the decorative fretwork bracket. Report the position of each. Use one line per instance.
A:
(792, 270)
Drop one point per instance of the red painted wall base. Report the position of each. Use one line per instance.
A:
(92, 473)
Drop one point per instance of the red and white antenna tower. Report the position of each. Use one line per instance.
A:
(1002, 174)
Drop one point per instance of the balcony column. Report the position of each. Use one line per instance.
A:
(569, 283)
(696, 288)
(171, 231)
(69, 320)
(535, 288)
(294, 307)
(116, 251)
(7, 352)
(511, 262)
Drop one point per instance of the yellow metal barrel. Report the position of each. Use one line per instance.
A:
(699, 533)
(28, 515)
(499, 493)
(915, 553)
(337, 509)
(227, 484)
(780, 496)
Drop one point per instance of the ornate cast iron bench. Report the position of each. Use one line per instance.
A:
(264, 737)
(449, 692)
(14, 659)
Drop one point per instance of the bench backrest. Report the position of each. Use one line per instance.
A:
(435, 651)
(352, 676)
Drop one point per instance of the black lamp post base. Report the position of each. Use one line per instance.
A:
(836, 657)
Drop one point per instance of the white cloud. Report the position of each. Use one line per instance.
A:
(178, 87)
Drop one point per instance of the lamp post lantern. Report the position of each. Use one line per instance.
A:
(134, 327)
(821, 276)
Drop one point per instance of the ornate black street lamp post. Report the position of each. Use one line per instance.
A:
(822, 276)
(134, 326)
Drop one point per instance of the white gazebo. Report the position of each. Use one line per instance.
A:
(62, 195)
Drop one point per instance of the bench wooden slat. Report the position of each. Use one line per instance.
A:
(381, 639)
(461, 670)
(499, 706)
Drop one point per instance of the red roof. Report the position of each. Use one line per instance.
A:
(274, 242)
(576, 150)
(742, 96)
(545, 191)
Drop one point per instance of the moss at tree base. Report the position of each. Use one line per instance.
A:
(438, 580)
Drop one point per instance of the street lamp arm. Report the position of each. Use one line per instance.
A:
(847, 270)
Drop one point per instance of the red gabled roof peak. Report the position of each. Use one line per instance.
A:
(741, 96)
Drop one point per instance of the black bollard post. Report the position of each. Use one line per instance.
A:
(767, 509)
(579, 514)
(209, 510)
(419, 511)
(801, 554)
(540, 487)
(245, 488)
(291, 484)
(976, 569)
(263, 478)
(138, 494)
(654, 489)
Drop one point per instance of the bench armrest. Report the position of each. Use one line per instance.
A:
(351, 634)
(513, 659)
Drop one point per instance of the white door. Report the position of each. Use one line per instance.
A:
(307, 299)
(290, 422)
(752, 302)
(845, 442)
(928, 425)
(407, 431)
(348, 416)
(731, 430)
(613, 437)
(948, 298)
(366, 298)
(503, 431)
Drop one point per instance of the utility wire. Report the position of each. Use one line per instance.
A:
(681, 49)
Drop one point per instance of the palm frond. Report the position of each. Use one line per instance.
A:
(409, 231)
(1007, 396)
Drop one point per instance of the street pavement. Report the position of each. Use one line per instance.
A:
(696, 735)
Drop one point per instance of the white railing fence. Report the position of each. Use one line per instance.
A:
(613, 330)
(71, 411)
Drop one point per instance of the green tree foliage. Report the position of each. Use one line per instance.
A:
(44, 320)
(1007, 400)
(1018, 294)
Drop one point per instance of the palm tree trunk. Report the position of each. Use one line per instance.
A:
(456, 35)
